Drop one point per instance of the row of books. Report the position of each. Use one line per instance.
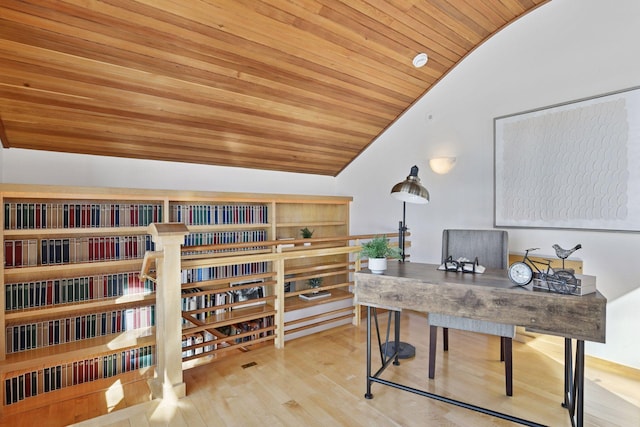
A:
(200, 343)
(202, 300)
(207, 304)
(25, 295)
(224, 237)
(190, 275)
(19, 216)
(23, 337)
(195, 344)
(22, 253)
(219, 214)
(29, 384)
(259, 327)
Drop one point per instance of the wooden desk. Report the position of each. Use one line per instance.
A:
(488, 296)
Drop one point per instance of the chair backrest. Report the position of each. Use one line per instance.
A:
(490, 246)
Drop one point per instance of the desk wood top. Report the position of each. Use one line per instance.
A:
(487, 296)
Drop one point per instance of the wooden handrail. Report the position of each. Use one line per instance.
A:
(274, 243)
(200, 260)
(149, 257)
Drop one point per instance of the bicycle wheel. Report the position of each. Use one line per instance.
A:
(563, 282)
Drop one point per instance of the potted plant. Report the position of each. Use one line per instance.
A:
(378, 250)
(314, 283)
(306, 234)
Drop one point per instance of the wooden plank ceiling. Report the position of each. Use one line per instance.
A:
(288, 85)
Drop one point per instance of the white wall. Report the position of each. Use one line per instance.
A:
(563, 51)
(41, 167)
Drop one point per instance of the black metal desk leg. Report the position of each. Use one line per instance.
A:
(579, 386)
(368, 394)
(574, 382)
(568, 377)
(396, 338)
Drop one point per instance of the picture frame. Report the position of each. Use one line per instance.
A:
(248, 296)
(574, 165)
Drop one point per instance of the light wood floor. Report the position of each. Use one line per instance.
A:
(320, 381)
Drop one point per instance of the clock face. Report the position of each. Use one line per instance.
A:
(520, 273)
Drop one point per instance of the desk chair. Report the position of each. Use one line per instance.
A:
(491, 248)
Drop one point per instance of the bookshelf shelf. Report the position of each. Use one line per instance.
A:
(294, 303)
(99, 346)
(80, 231)
(121, 302)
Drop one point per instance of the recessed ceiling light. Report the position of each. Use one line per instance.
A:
(420, 60)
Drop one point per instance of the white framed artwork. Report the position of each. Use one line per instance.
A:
(574, 165)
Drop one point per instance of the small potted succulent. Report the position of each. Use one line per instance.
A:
(314, 283)
(306, 234)
(378, 250)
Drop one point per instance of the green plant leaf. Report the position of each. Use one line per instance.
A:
(379, 247)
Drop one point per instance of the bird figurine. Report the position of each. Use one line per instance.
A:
(564, 253)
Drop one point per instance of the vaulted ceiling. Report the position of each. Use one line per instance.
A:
(288, 85)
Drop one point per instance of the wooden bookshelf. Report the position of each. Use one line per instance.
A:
(76, 242)
(73, 301)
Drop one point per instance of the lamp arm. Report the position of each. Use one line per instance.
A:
(402, 229)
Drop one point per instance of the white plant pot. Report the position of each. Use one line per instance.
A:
(377, 265)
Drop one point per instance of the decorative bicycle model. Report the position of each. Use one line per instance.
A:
(560, 281)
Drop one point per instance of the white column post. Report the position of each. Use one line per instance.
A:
(168, 384)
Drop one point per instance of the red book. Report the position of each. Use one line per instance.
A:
(27, 384)
(72, 216)
(133, 216)
(96, 248)
(127, 362)
(100, 249)
(51, 335)
(76, 373)
(91, 248)
(17, 253)
(81, 372)
(38, 223)
(89, 369)
(95, 368)
(8, 253)
(49, 292)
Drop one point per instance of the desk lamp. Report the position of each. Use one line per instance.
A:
(410, 190)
